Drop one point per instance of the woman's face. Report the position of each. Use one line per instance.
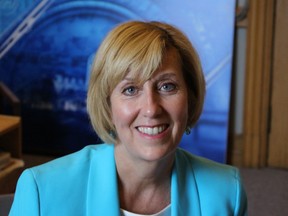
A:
(151, 118)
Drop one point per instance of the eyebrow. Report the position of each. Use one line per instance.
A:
(129, 79)
(166, 75)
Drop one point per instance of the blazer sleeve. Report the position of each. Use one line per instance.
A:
(241, 200)
(26, 199)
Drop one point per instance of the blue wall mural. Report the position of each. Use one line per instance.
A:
(47, 48)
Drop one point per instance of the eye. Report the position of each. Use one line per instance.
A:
(167, 87)
(130, 91)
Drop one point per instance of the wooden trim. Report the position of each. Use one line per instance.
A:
(12, 100)
(257, 82)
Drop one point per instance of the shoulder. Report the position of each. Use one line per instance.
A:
(72, 165)
(219, 185)
(78, 172)
(76, 159)
(205, 167)
(44, 188)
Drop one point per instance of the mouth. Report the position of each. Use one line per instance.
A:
(152, 131)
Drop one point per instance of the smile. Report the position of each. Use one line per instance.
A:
(152, 130)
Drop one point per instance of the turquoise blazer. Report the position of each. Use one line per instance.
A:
(85, 183)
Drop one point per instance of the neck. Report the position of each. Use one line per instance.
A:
(142, 183)
(138, 170)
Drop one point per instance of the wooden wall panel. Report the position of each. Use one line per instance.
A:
(278, 139)
(257, 82)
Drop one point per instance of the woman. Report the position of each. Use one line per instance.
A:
(146, 89)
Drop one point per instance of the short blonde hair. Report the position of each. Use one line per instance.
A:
(140, 46)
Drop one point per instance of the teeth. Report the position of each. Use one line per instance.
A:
(151, 131)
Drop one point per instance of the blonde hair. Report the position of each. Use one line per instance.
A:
(133, 47)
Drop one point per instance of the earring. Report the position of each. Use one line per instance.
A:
(112, 134)
(187, 131)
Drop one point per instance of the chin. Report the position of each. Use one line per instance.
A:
(158, 155)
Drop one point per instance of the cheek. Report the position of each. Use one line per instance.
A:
(181, 111)
(121, 114)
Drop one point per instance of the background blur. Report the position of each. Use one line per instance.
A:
(47, 48)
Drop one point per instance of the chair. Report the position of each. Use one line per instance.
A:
(6, 201)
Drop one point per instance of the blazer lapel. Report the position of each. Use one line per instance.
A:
(184, 191)
(102, 194)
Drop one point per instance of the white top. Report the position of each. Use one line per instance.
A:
(164, 212)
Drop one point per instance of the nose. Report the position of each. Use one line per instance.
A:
(151, 105)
